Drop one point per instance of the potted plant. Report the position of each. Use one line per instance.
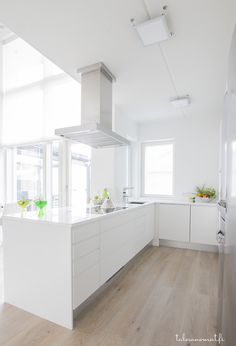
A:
(205, 194)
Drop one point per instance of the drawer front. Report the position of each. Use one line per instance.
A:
(84, 263)
(114, 238)
(85, 284)
(116, 221)
(141, 238)
(85, 247)
(110, 265)
(83, 232)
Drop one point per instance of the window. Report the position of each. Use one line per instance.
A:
(55, 174)
(157, 168)
(29, 172)
(41, 170)
(37, 93)
(39, 97)
(80, 174)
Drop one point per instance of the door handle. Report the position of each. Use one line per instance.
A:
(222, 203)
(220, 237)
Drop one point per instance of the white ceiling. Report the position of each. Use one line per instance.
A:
(75, 33)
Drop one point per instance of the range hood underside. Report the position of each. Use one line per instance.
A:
(94, 135)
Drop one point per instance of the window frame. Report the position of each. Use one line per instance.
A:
(64, 171)
(143, 145)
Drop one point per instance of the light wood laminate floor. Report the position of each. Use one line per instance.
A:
(163, 292)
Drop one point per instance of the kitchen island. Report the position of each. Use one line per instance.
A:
(55, 263)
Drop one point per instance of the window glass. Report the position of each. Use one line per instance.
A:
(29, 172)
(80, 174)
(22, 119)
(38, 96)
(61, 104)
(158, 169)
(55, 174)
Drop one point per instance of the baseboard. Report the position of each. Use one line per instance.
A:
(155, 242)
(190, 246)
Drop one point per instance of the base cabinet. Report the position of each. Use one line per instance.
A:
(191, 224)
(204, 224)
(123, 236)
(174, 222)
(101, 248)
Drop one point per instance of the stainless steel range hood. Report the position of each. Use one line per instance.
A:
(96, 110)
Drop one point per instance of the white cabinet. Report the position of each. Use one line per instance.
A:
(85, 261)
(103, 247)
(116, 244)
(204, 224)
(174, 220)
(123, 236)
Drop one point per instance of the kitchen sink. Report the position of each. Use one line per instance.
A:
(137, 202)
(99, 210)
(120, 208)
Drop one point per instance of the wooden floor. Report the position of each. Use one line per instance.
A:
(164, 292)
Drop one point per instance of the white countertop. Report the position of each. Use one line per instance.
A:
(169, 200)
(67, 215)
(78, 215)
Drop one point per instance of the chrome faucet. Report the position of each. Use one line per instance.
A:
(125, 195)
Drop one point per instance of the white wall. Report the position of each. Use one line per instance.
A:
(111, 167)
(102, 170)
(196, 149)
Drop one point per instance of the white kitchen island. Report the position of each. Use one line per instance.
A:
(53, 264)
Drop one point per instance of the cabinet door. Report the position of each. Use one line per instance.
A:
(140, 233)
(150, 223)
(116, 248)
(174, 222)
(204, 224)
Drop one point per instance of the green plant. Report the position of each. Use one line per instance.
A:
(205, 192)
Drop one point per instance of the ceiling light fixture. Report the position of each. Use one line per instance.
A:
(180, 102)
(154, 30)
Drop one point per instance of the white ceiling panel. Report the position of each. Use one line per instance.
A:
(76, 33)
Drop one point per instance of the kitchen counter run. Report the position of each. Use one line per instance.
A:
(70, 216)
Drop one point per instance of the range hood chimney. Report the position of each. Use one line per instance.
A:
(96, 110)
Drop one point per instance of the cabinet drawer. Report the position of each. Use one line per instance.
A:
(84, 263)
(116, 221)
(85, 284)
(85, 247)
(115, 237)
(111, 264)
(80, 233)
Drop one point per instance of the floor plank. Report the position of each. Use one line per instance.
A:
(164, 292)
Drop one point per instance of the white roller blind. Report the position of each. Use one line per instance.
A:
(37, 97)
